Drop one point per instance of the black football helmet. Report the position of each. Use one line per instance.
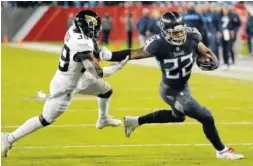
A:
(173, 28)
(88, 22)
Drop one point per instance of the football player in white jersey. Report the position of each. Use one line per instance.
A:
(78, 66)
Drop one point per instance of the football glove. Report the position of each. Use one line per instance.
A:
(105, 54)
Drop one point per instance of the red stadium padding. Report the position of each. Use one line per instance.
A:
(53, 24)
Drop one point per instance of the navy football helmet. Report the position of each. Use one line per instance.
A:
(173, 28)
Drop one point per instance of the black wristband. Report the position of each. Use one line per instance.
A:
(118, 56)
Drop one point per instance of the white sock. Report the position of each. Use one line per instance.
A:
(225, 149)
(28, 127)
(103, 106)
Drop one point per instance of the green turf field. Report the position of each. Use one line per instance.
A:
(73, 140)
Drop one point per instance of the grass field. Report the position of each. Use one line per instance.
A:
(73, 139)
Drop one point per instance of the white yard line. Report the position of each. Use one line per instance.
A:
(158, 124)
(127, 145)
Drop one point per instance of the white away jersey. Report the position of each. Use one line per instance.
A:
(70, 71)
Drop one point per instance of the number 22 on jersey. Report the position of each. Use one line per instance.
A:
(173, 67)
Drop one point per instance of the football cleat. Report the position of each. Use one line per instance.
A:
(229, 154)
(110, 121)
(130, 124)
(5, 145)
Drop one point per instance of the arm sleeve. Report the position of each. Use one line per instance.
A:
(118, 56)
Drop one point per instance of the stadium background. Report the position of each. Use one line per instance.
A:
(51, 18)
(31, 43)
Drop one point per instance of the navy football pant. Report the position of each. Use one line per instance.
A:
(183, 104)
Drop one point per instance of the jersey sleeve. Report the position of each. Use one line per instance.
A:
(151, 45)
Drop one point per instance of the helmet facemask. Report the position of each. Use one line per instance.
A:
(97, 31)
(175, 36)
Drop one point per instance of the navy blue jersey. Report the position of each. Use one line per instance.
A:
(175, 61)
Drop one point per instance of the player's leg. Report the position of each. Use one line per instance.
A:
(189, 106)
(98, 87)
(159, 116)
(53, 108)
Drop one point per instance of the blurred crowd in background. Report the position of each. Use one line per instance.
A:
(27, 4)
(218, 22)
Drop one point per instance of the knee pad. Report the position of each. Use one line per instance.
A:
(106, 95)
(43, 121)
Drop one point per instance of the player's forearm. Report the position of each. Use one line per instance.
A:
(139, 54)
(109, 70)
(210, 52)
(93, 68)
(207, 52)
(132, 53)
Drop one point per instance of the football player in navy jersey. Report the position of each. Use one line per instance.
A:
(175, 50)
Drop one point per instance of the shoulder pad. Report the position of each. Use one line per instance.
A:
(80, 44)
(151, 41)
(194, 34)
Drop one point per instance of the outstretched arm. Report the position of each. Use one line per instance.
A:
(92, 65)
(117, 56)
